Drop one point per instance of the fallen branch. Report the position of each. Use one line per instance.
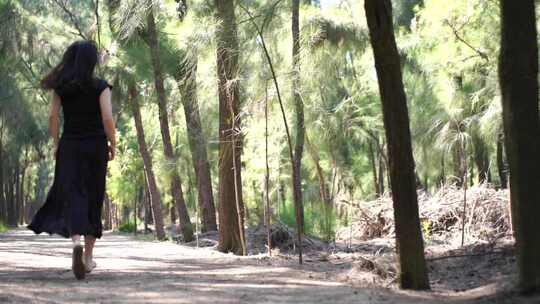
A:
(466, 255)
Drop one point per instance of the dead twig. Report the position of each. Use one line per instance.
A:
(466, 255)
(458, 37)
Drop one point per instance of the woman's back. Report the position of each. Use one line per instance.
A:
(81, 109)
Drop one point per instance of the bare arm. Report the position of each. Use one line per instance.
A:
(54, 119)
(108, 121)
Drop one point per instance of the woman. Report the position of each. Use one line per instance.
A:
(74, 202)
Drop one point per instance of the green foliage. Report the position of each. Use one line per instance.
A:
(449, 53)
(319, 219)
(3, 227)
(427, 227)
(128, 226)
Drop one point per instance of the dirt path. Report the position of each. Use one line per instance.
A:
(35, 269)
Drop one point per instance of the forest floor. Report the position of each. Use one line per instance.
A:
(36, 269)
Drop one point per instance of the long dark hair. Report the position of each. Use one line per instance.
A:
(76, 68)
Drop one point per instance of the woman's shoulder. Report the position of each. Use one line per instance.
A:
(101, 84)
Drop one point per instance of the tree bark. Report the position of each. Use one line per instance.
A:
(518, 77)
(231, 206)
(197, 145)
(501, 165)
(11, 197)
(300, 128)
(107, 213)
(155, 199)
(3, 205)
(323, 187)
(176, 183)
(409, 243)
(22, 199)
(457, 161)
(374, 169)
(381, 174)
(481, 159)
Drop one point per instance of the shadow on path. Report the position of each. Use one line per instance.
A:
(35, 269)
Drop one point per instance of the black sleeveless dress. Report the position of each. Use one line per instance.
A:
(75, 200)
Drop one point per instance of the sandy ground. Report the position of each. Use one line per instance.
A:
(35, 269)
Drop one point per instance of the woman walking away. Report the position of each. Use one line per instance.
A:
(74, 202)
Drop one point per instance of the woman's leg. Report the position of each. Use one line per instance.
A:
(89, 242)
(77, 258)
(76, 239)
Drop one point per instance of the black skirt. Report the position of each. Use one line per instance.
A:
(75, 200)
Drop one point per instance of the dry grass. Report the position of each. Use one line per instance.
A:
(487, 217)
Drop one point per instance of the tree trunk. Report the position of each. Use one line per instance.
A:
(323, 188)
(155, 199)
(176, 183)
(409, 243)
(481, 159)
(518, 77)
(381, 174)
(374, 170)
(172, 212)
(457, 161)
(22, 189)
(11, 198)
(107, 213)
(442, 177)
(300, 128)
(147, 207)
(231, 206)
(197, 145)
(16, 192)
(501, 166)
(3, 207)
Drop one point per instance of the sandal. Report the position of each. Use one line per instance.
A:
(77, 262)
(90, 267)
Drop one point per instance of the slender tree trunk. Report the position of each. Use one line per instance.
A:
(155, 199)
(11, 197)
(107, 213)
(458, 164)
(197, 145)
(17, 191)
(298, 211)
(147, 207)
(267, 214)
(300, 128)
(464, 178)
(10, 194)
(381, 174)
(518, 76)
(323, 188)
(231, 206)
(22, 199)
(172, 213)
(21, 193)
(374, 170)
(176, 183)
(409, 243)
(481, 159)
(3, 207)
(501, 166)
(442, 180)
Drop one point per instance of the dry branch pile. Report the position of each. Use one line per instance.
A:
(281, 236)
(487, 216)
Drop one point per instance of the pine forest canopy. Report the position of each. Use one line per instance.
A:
(193, 81)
